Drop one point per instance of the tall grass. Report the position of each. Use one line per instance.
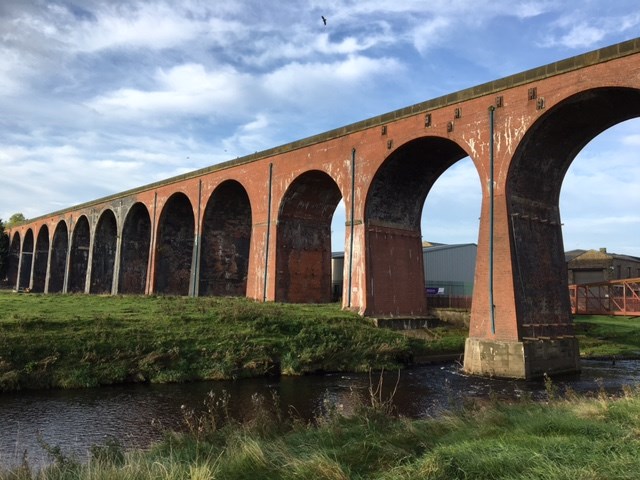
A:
(567, 438)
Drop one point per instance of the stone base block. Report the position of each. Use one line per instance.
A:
(527, 359)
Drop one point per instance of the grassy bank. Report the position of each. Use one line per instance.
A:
(70, 341)
(604, 336)
(571, 438)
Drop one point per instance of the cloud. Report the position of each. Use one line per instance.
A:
(580, 29)
(183, 90)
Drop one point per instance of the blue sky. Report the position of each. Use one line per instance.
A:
(97, 97)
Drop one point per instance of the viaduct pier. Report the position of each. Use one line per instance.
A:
(260, 226)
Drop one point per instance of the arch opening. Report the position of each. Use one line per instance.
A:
(174, 246)
(40, 260)
(13, 261)
(104, 253)
(226, 238)
(393, 214)
(26, 261)
(59, 249)
(533, 190)
(79, 256)
(303, 254)
(134, 259)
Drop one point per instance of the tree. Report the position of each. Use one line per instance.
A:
(15, 219)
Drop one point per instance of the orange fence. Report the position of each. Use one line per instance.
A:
(616, 297)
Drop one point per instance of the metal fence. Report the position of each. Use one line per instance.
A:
(616, 297)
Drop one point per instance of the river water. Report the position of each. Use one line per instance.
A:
(74, 420)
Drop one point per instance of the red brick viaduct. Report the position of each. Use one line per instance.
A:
(260, 226)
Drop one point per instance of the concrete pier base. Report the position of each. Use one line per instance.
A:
(526, 359)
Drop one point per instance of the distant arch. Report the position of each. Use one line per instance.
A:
(58, 263)
(40, 260)
(226, 236)
(79, 255)
(134, 256)
(303, 254)
(13, 261)
(174, 246)
(104, 253)
(26, 260)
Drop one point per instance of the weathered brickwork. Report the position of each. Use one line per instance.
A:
(275, 245)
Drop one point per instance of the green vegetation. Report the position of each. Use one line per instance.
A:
(602, 336)
(15, 219)
(566, 438)
(70, 341)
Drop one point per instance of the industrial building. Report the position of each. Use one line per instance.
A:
(590, 266)
(448, 271)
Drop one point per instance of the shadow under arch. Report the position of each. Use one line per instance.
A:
(303, 239)
(226, 237)
(104, 253)
(13, 261)
(40, 260)
(58, 263)
(79, 255)
(134, 256)
(174, 246)
(533, 186)
(26, 260)
(393, 212)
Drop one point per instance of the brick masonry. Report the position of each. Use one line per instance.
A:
(383, 168)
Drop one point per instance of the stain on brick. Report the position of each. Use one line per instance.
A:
(226, 236)
(303, 258)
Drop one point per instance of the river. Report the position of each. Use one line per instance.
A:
(75, 420)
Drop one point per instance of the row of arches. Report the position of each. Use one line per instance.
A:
(212, 258)
(115, 259)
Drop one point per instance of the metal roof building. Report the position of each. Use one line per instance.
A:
(451, 267)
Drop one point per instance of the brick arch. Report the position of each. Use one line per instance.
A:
(174, 246)
(103, 259)
(41, 257)
(26, 260)
(226, 238)
(13, 260)
(134, 255)
(58, 262)
(393, 211)
(79, 255)
(533, 186)
(303, 252)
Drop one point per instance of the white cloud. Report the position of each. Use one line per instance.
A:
(182, 90)
(101, 96)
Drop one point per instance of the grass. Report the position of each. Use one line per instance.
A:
(72, 341)
(604, 336)
(568, 438)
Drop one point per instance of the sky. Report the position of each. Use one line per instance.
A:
(97, 97)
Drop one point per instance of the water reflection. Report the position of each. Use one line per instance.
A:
(77, 419)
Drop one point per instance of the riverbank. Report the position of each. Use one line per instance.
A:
(74, 341)
(560, 438)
